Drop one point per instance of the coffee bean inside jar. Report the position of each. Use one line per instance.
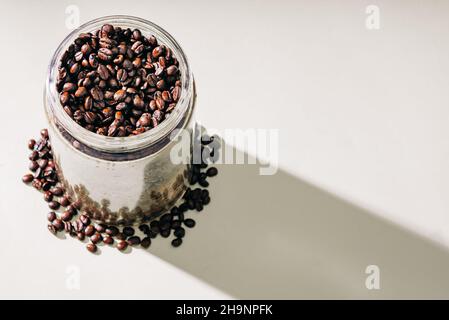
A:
(118, 89)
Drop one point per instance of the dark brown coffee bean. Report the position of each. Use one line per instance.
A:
(128, 231)
(96, 238)
(91, 247)
(146, 242)
(85, 219)
(31, 144)
(81, 236)
(211, 172)
(104, 54)
(96, 94)
(122, 245)
(112, 231)
(54, 205)
(51, 216)
(120, 95)
(48, 196)
(57, 223)
(64, 201)
(66, 216)
(103, 72)
(176, 242)
(134, 241)
(172, 70)
(52, 228)
(90, 230)
(27, 178)
(108, 240)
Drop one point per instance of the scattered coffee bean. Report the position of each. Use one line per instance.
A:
(66, 216)
(31, 144)
(122, 245)
(54, 205)
(146, 242)
(176, 242)
(190, 223)
(48, 196)
(112, 231)
(27, 178)
(179, 232)
(134, 240)
(64, 201)
(211, 172)
(91, 247)
(108, 240)
(128, 231)
(90, 230)
(51, 216)
(96, 237)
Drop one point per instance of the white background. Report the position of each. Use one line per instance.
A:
(363, 124)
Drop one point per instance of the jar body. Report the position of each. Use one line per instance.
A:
(121, 180)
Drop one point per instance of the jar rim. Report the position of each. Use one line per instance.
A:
(129, 143)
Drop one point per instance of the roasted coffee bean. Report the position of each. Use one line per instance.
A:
(33, 155)
(57, 223)
(128, 231)
(96, 238)
(85, 219)
(203, 182)
(57, 191)
(112, 231)
(165, 233)
(134, 240)
(146, 242)
(54, 205)
(100, 227)
(108, 240)
(51, 216)
(175, 224)
(212, 171)
(176, 242)
(91, 247)
(179, 232)
(31, 144)
(122, 245)
(120, 236)
(64, 201)
(90, 230)
(66, 216)
(48, 196)
(144, 228)
(52, 228)
(190, 223)
(33, 166)
(81, 236)
(27, 178)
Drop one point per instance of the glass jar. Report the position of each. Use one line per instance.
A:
(121, 180)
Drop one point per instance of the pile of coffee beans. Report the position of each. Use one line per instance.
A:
(71, 220)
(118, 82)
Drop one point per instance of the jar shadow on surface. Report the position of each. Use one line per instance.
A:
(279, 236)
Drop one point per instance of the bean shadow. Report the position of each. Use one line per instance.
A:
(281, 237)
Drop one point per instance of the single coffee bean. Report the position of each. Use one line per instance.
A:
(52, 228)
(165, 233)
(27, 178)
(122, 245)
(96, 238)
(190, 223)
(108, 240)
(90, 230)
(100, 227)
(57, 223)
(66, 216)
(64, 201)
(51, 216)
(176, 242)
(211, 172)
(81, 236)
(54, 205)
(33, 166)
(179, 232)
(134, 240)
(91, 247)
(128, 231)
(31, 144)
(146, 242)
(85, 219)
(112, 231)
(57, 191)
(48, 196)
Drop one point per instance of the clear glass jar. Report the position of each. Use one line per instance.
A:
(120, 180)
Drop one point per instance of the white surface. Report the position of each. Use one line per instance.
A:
(362, 114)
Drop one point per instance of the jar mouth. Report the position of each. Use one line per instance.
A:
(129, 143)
